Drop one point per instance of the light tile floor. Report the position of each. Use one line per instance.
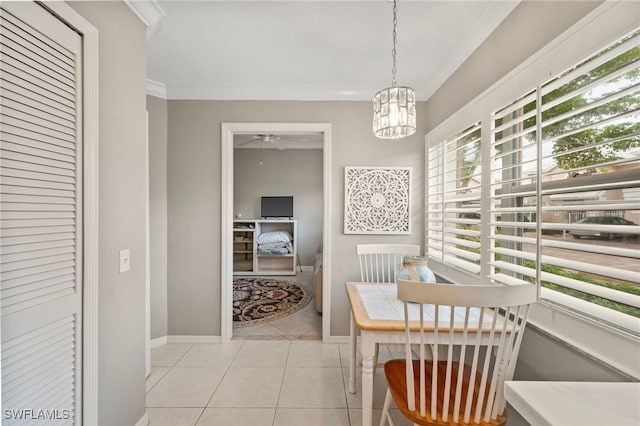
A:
(279, 373)
(251, 382)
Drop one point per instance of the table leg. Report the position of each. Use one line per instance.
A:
(368, 348)
(352, 356)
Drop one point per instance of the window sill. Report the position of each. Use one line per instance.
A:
(606, 344)
(618, 349)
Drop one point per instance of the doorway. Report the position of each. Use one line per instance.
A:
(245, 131)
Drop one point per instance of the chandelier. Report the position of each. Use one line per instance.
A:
(394, 108)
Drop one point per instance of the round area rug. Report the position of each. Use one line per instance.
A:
(257, 300)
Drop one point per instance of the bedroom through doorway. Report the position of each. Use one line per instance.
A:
(277, 235)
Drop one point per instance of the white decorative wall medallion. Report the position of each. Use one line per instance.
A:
(377, 200)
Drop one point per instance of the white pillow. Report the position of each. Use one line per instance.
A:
(274, 237)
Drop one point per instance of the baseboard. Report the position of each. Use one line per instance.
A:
(144, 420)
(339, 340)
(217, 339)
(194, 339)
(158, 341)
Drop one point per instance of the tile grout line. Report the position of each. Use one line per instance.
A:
(344, 386)
(183, 355)
(167, 372)
(156, 383)
(284, 373)
(218, 385)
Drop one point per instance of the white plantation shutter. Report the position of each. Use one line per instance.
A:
(565, 170)
(590, 152)
(560, 147)
(453, 200)
(513, 192)
(434, 205)
(562, 193)
(41, 217)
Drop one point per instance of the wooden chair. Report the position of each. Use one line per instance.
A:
(379, 263)
(467, 387)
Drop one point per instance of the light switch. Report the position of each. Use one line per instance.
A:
(125, 260)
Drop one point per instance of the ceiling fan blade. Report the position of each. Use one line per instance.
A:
(267, 138)
(244, 143)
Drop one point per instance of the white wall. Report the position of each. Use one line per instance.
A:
(543, 357)
(296, 172)
(122, 210)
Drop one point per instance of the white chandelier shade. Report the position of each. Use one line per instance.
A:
(394, 112)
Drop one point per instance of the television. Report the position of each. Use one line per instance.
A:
(274, 207)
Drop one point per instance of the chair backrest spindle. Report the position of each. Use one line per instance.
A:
(379, 262)
(481, 323)
(409, 370)
(434, 368)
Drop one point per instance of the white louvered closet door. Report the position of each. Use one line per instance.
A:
(41, 217)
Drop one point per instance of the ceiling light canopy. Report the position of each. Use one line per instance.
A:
(394, 108)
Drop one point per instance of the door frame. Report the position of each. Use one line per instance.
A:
(228, 130)
(89, 409)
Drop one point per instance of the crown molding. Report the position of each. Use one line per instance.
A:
(276, 94)
(148, 11)
(155, 88)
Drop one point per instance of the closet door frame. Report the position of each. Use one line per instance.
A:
(90, 206)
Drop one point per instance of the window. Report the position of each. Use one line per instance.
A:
(454, 196)
(563, 190)
(590, 155)
(513, 216)
(574, 176)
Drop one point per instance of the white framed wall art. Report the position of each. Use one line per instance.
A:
(377, 200)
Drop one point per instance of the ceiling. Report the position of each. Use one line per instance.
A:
(309, 50)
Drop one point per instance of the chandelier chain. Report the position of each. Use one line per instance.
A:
(394, 108)
(393, 52)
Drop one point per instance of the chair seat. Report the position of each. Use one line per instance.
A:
(395, 372)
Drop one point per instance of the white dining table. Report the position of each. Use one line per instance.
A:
(575, 403)
(379, 315)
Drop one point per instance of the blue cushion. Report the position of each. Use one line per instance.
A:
(424, 274)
